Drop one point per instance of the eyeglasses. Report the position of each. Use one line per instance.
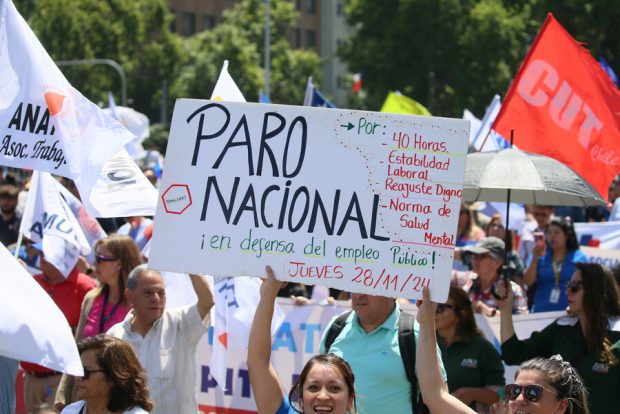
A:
(443, 306)
(531, 393)
(87, 372)
(574, 285)
(101, 258)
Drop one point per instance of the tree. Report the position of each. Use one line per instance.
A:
(451, 54)
(447, 54)
(239, 38)
(133, 33)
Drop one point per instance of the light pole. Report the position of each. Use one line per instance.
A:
(267, 47)
(108, 62)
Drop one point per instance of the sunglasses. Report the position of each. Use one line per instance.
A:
(101, 258)
(531, 393)
(574, 286)
(87, 372)
(443, 306)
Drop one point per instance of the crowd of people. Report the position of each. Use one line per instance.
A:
(139, 356)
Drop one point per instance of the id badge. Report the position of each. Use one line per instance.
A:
(554, 297)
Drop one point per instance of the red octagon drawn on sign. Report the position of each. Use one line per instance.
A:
(176, 198)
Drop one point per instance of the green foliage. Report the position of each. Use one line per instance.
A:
(455, 54)
(133, 33)
(239, 38)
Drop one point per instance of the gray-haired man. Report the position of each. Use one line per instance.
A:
(165, 340)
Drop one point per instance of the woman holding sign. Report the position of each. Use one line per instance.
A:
(589, 338)
(542, 386)
(324, 385)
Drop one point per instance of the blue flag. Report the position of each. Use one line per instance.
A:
(319, 100)
(314, 97)
(608, 69)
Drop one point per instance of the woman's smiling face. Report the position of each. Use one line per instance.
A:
(325, 391)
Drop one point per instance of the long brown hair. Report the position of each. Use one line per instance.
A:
(120, 365)
(600, 302)
(125, 250)
(466, 327)
(331, 361)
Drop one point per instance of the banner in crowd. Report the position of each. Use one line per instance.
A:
(296, 341)
(605, 257)
(604, 234)
(39, 334)
(361, 201)
(564, 105)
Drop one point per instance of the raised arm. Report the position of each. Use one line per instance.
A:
(268, 392)
(531, 274)
(507, 328)
(434, 394)
(204, 294)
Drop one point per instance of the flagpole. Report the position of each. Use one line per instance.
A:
(308, 96)
(20, 237)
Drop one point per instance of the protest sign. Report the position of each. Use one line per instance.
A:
(360, 201)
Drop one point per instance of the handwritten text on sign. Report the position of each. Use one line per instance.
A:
(361, 201)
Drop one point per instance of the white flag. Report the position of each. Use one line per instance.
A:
(47, 124)
(137, 123)
(90, 226)
(48, 220)
(121, 190)
(481, 142)
(236, 300)
(474, 124)
(32, 327)
(226, 89)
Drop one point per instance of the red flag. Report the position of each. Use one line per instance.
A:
(563, 105)
(357, 83)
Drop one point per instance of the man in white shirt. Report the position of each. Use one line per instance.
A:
(165, 340)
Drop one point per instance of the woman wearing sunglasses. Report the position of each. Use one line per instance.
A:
(106, 305)
(589, 338)
(543, 386)
(113, 382)
(474, 368)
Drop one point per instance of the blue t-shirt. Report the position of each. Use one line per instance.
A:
(546, 280)
(286, 408)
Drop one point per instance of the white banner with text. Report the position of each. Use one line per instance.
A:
(360, 201)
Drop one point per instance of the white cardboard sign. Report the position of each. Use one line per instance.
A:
(360, 201)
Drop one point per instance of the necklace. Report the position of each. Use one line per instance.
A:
(104, 318)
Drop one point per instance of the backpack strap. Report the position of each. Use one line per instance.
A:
(335, 329)
(407, 345)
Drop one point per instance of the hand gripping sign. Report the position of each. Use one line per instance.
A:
(361, 201)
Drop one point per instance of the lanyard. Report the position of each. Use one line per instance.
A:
(105, 318)
(557, 268)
